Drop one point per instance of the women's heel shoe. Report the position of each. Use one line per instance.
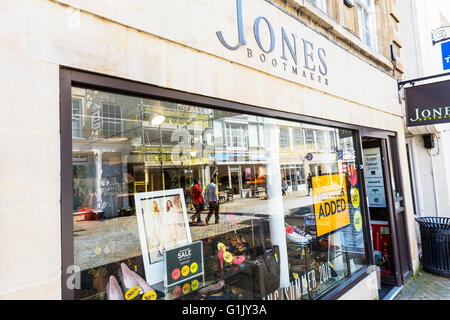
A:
(237, 260)
(212, 288)
(113, 291)
(131, 279)
(220, 256)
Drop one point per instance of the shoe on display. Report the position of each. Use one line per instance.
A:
(131, 279)
(212, 288)
(325, 244)
(238, 260)
(295, 237)
(302, 233)
(113, 291)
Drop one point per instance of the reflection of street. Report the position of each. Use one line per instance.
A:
(291, 203)
(106, 241)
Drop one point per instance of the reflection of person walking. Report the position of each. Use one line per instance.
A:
(309, 181)
(212, 200)
(196, 195)
(284, 186)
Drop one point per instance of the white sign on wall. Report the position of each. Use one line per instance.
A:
(374, 177)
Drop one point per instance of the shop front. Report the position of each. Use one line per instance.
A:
(320, 242)
(272, 121)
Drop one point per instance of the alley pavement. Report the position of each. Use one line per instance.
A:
(426, 286)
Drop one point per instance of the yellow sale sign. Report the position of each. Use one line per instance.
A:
(330, 203)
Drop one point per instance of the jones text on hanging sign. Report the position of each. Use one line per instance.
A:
(428, 104)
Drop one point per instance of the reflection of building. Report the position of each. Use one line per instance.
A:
(189, 143)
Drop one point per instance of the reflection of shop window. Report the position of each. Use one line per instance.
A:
(111, 120)
(309, 137)
(76, 118)
(332, 137)
(236, 136)
(284, 137)
(298, 138)
(321, 140)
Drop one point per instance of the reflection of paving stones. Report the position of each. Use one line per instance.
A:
(426, 287)
(227, 223)
(98, 243)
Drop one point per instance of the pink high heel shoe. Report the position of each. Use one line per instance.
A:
(220, 256)
(131, 279)
(113, 291)
(237, 260)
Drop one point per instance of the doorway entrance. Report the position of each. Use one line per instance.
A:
(386, 211)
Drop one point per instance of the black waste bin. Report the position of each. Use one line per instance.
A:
(435, 236)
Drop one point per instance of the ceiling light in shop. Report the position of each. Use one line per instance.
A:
(157, 120)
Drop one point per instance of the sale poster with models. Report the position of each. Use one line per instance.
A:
(163, 223)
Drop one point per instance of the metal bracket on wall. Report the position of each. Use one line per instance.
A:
(440, 34)
(401, 84)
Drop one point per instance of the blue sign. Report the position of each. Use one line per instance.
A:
(446, 55)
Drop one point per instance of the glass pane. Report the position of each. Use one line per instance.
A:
(150, 176)
(326, 250)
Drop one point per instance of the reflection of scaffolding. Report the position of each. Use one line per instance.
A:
(167, 147)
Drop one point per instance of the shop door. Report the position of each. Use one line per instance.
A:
(385, 211)
(235, 181)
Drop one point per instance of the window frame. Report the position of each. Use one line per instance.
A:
(75, 78)
(371, 29)
(80, 120)
(320, 4)
(111, 120)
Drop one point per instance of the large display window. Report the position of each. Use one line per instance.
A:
(274, 203)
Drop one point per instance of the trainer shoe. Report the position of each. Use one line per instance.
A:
(302, 233)
(295, 237)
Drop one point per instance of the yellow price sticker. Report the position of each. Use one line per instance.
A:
(185, 271)
(194, 285)
(357, 221)
(220, 245)
(194, 267)
(295, 275)
(186, 288)
(132, 293)
(149, 295)
(228, 257)
(354, 194)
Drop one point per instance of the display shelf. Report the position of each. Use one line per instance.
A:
(208, 280)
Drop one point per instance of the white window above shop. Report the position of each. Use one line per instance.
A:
(321, 4)
(366, 23)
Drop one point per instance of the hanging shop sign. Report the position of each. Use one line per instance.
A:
(331, 205)
(428, 104)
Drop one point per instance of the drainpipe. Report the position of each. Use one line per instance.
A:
(433, 174)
